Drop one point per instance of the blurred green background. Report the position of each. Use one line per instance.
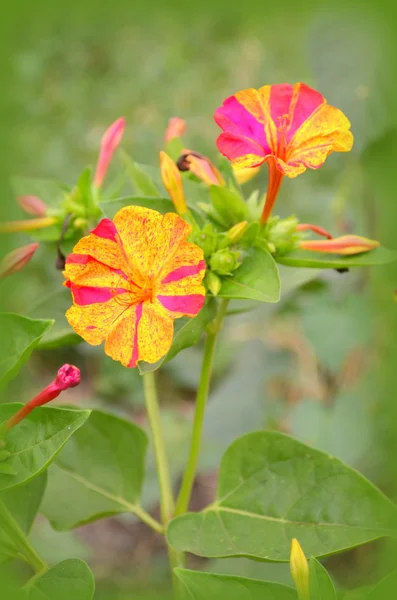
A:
(321, 364)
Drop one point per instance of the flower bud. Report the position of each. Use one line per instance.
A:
(27, 225)
(224, 262)
(68, 376)
(201, 167)
(345, 245)
(237, 231)
(176, 128)
(32, 205)
(245, 174)
(172, 181)
(110, 141)
(16, 259)
(300, 570)
(212, 282)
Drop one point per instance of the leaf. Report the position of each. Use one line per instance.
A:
(34, 443)
(229, 205)
(20, 336)
(141, 182)
(70, 579)
(386, 588)
(187, 333)
(162, 205)
(99, 473)
(204, 586)
(272, 489)
(321, 586)
(303, 258)
(23, 503)
(256, 279)
(50, 191)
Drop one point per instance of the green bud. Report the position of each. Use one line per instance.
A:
(212, 282)
(281, 234)
(207, 240)
(224, 262)
(237, 231)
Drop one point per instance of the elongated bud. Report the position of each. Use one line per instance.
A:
(32, 205)
(315, 229)
(172, 181)
(176, 128)
(237, 231)
(345, 245)
(68, 376)
(16, 259)
(110, 140)
(27, 225)
(201, 167)
(244, 175)
(300, 570)
(213, 282)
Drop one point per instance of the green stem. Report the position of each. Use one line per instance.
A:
(15, 533)
(148, 519)
(185, 492)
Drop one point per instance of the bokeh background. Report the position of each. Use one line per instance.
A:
(321, 364)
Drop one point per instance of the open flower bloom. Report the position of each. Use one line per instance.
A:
(291, 127)
(130, 278)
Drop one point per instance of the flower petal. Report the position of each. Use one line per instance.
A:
(83, 295)
(103, 244)
(188, 305)
(122, 341)
(242, 151)
(93, 322)
(82, 269)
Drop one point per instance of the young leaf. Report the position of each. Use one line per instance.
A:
(272, 489)
(303, 258)
(70, 579)
(256, 279)
(20, 336)
(34, 443)
(321, 586)
(187, 333)
(141, 182)
(229, 205)
(23, 503)
(205, 586)
(99, 473)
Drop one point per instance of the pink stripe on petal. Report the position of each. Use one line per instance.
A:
(188, 305)
(235, 118)
(183, 272)
(280, 101)
(135, 350)
(234, 146)
(84, 295)
(84, 259)
(105, 229)
(307, 102)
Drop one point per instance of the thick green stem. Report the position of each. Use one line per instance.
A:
(148, 520)
(20, 540)
(185, 492)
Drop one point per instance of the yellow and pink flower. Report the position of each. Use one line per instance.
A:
(130, 278)
(291, 127)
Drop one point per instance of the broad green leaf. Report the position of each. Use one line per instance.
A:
(321, 586)
(20, 336)
(23, 503)
(99, 473)
(385, 589)
(141, 182)
(256, 279)
(303, 258)
(68, 580)
(34, 443)
(187, 333)
(272, 489)
(210, 586)
(110, 207)
(229, 205)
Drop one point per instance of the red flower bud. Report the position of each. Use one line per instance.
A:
(345, 245)
(201, 167)
(32, 205)
(110, 140)
(68, 376)
(16, 260)
(176, 128)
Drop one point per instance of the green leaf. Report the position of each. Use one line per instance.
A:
(187, 333)
(23, 503)
(162, 205)
(50, 191)
(386, 588)
(272, 489)
(229, 205)
(256, 279)
(34, 443)
(321, 586)
(303, 258)
(20, 336)
(205, 586)
(70, 579)
(141, 182)
(99, 473)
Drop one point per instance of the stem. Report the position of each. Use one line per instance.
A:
(273, 186)
(148, 519)
(185, 492)
(12, 528)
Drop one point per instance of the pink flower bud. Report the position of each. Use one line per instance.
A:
(68, 376)
(16, 260)
(32, 205)
(201, 167)
(110, 141)
(345, 245)
(176, 128)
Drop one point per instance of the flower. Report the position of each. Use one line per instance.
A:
(172, 181)
(68, 376)
(32, 205)
(201, 167)
(300, 570)
(346, 245)
(130, 278)
(176, 128)
(16, 259)
(109, 142)
(291, 127)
